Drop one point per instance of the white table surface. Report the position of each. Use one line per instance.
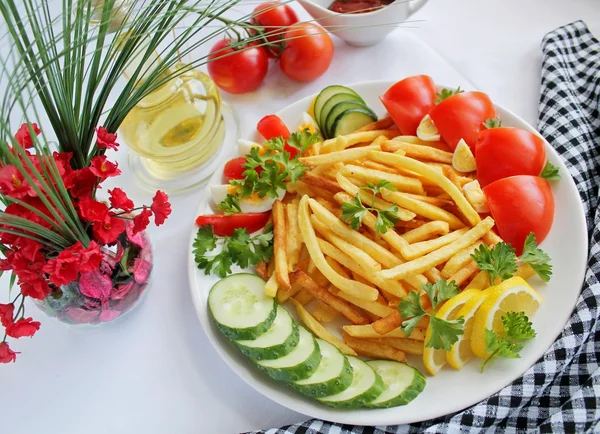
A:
(155, 372)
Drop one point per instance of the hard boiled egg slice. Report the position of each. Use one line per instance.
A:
(244, 146)
(427, 130)
(476, 197)
(463, 159)
(308, 122)
(247, 204)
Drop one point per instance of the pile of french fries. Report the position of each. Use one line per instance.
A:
(349, 283)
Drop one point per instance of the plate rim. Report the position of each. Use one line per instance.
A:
(346, 416)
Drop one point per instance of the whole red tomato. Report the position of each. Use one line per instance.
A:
(237, 70)
(274, 17)
(521, 205)
(462, 116)
(504, 152)
(308, 52)
(409, 100)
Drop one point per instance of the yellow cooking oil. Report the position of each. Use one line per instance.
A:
(178, 127)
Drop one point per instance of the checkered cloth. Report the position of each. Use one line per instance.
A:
(561, 392)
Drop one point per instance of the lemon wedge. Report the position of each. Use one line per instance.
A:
(474, 194)
(311, 108)
(427, 130)
(434, 359)
(463, 159)
(461, 352)
(512, 295)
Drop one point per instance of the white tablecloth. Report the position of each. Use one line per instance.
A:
(155, 371)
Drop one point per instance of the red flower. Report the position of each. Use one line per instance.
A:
(106, 140)
(37, 289)
(6, 314)
(92, 211)
(141, 221)
(81, 183)
(6, 354)
(160, 207)
(63, 162)
(118, 199)
(24, 327)
(90, 258)
(13, 183)
(23, 136)
(64, 269)
(109, 230)
(104, 169)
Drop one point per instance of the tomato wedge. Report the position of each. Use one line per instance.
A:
(233, 169)
(272, 126)
(409, 100)
(504, 152)
(461, 116)
(224, 225)
(521, 205)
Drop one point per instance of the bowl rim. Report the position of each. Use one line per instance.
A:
(330, 13)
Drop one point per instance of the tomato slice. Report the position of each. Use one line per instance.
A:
(504, 152)
(409, 100)
(224, 225)
(462, 116)
(272, 126)
(521, 205)
(233, 169)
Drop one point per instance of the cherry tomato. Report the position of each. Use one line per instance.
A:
(237, 70)
(234, 170)
(504, 152)
(308, 52)
(224, 225)
(272, 126)
(409, 100)
(462, 116)
(274, 16)
(521, 205)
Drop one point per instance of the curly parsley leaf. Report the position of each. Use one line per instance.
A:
(230, 205)
(386, 219)
(444, 333)
(517, 328)
(376, 189)
(410, 307)
(550, 172)
(276, 144)
(441, 291)
(205, 241)
(536, 258)
(353, 212)
(303, 140)
(445, 94)
(499, 261)
(492, 123)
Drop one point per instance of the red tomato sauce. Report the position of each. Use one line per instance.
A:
(358, 6)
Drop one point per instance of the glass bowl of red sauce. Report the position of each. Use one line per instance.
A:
(361, 22)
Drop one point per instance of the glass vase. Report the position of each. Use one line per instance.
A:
(111, 291)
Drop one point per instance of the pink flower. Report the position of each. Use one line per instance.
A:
(23, 136)
(108, 230)
(79, 315)
(121, 291)
(137, 239)
(25, 327)
(141, 221)
(13, 183)
(104, 169)
(95, 285)
(160, 207)
(106, 140)
(141, 270)
(118, 199)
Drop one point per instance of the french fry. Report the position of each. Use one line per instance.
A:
(380, 310)
(304, 297)
(292, 236)
(417, 151)
(279, 246)
(438, 256)
(324, 313)
(412, 224)
(338, 157)
(435, 176)
(320, 182)
(388, 323)
(391, 299)
(408, 346)
(342, 306)
(321, 332)
(272, 287)
(421, 248)
(339, 268)
(462, 275)
(426, 231)
(261, 270)
(311, 267)
(480, 281)
(433, 275)
(525, 271)
(491, 239)
(415, 140)
(459, 260)
(351, 287)
(367, 332)
(452, 176)
(374, 349)
(402, 183)
(378, 166)
(428, 199)
(354, 139)
(351, 250)
(381, 124)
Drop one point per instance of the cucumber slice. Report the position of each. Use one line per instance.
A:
(403, 383)
(340, 108)
(331, 102)
(327, 93)
(366, 386)
(351, 120)
(276, 342)
(299, 364)
(240, 307)
(333, 375)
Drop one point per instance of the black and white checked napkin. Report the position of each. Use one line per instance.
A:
(561, 392)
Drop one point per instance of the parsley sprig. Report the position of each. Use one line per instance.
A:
(303, 140)
(517, 328)
(353, 211)
(240, 249)
(501, 261)
(550, 172)
(444, 333)
(445, 94)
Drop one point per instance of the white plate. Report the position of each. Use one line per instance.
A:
(450, 390)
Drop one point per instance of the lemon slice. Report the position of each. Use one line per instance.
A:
(474, 194)
(512, 295)
(461, 352)
(311, 108)
(427, 130)
(434, 359)
(463, 159)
